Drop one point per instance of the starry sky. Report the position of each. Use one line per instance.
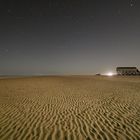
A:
(68, 36)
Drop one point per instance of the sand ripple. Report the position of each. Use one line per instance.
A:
(70, 108)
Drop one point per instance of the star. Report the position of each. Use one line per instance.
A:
(6, 50)
(119, 12)
(132, 3)
(9, 10)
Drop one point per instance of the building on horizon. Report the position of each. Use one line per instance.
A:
(127, 71)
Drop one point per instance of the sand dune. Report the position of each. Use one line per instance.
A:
(70, 108)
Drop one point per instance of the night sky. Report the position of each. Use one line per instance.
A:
(68, 36)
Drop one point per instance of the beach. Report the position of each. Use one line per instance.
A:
(70, 108)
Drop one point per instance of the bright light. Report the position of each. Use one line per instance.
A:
(109, 74)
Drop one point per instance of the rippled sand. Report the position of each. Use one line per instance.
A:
(70, 108)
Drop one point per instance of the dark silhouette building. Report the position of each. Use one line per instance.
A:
(127, 71)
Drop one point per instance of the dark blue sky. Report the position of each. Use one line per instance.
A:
(68, 37)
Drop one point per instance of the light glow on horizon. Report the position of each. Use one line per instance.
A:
(109, 74)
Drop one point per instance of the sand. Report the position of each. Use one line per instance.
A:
(70, 108)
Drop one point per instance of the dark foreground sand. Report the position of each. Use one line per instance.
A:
(70, 108)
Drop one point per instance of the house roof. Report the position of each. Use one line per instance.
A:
(126, 68)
